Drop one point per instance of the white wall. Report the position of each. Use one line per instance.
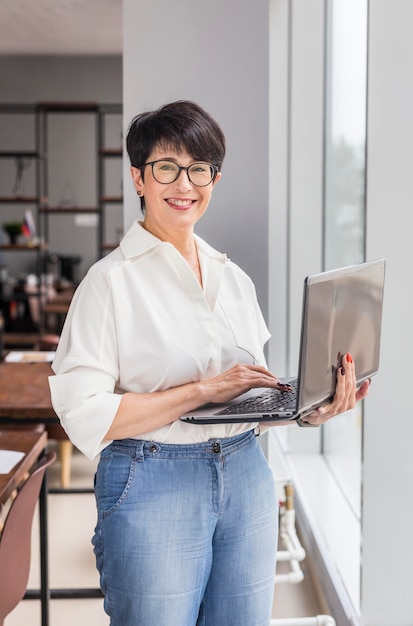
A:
(215, 53)
(388, 433)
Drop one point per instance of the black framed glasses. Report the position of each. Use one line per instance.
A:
(165, 172)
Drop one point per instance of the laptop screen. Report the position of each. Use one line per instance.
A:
(343, 313)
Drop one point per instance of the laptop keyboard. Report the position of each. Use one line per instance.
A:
(268, 401)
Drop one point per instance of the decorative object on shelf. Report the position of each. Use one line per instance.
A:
(13, 229)
(28, 226)
(68, 197)
(22, 164)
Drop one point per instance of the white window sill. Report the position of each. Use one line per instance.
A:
(326, 518)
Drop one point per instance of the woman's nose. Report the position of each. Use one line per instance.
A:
(183, 182)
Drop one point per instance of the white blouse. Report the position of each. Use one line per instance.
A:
(140, 322)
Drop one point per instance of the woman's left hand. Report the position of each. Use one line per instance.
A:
(346, 395)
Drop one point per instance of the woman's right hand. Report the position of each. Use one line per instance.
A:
(237, 380)
(145, 412)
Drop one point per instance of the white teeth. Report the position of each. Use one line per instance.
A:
(181, 202)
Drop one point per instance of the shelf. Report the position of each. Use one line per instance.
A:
(68, 209)
(19, 200)
(22, 247)
(68, 107)
(111, 199)
(111, 152)
(15, 154)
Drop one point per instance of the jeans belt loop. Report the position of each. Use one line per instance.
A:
(139, 456)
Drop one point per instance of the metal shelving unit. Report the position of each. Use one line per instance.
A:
(106, 155)
(13, 301)
(108, 200)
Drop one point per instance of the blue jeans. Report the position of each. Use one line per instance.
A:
(186, 534)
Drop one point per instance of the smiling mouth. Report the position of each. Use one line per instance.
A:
(180, 204)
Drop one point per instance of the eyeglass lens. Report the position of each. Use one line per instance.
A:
(200, 174)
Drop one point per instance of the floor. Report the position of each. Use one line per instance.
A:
(71, 562)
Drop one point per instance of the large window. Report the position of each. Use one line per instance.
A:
(344, 217)
(318, 68)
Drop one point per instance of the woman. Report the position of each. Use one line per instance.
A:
(187, 519)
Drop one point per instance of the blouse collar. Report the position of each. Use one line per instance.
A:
(138, 240)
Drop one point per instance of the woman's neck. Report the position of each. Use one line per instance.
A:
(184, 242)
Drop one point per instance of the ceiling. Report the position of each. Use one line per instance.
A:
(60, 27)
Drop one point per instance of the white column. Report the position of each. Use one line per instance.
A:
(215, 53)
(388, 429)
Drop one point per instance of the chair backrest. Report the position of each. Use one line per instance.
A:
(15, 540)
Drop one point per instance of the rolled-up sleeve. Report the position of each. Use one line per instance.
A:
(84, 391)
(93, 396)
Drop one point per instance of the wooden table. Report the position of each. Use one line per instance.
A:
(32, 443)
(24, 392)
(25, 396)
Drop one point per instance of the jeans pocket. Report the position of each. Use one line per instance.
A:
(114, 476)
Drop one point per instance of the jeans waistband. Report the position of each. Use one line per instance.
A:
(139, 448)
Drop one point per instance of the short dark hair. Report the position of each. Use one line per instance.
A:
(180, 125)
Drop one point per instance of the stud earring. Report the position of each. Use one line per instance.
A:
(138, 192)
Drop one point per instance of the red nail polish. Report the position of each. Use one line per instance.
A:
(349, 358)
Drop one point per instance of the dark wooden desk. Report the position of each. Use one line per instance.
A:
(32, 443)
(24, 392)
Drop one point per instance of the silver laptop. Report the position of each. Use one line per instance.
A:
(342, 312)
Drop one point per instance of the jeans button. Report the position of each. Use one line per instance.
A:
(216, 447)
(153, 448)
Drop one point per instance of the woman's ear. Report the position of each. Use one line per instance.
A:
(216, 179)
(137, 180)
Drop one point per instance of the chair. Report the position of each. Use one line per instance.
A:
(15, 539)
(37, 428)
